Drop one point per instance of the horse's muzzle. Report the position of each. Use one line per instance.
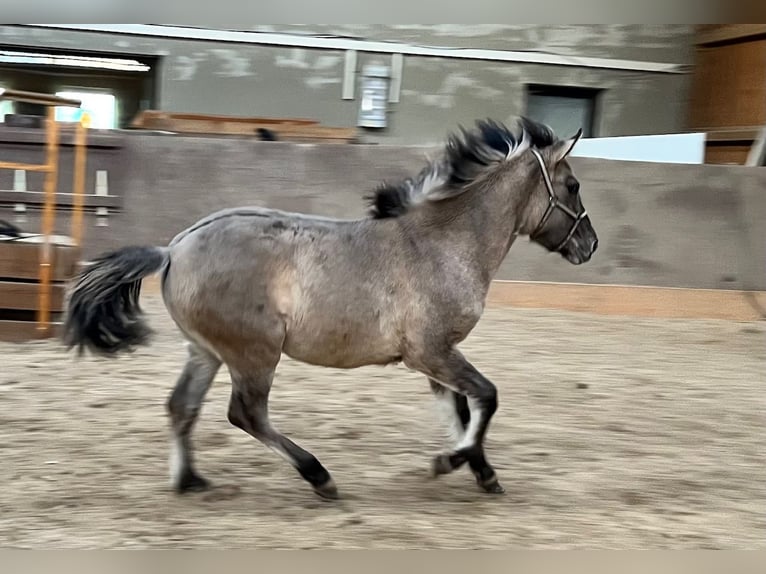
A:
(576, 253)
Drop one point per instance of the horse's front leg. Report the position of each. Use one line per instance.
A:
(454, 372)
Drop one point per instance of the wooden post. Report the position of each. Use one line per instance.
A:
(48, 223)
(78, 185)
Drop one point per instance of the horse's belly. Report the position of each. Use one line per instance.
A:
(344, 349)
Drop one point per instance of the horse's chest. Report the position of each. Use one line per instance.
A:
(456, 319)
(465, 319)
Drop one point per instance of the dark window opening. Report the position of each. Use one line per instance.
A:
(99, 79)
(565, 109)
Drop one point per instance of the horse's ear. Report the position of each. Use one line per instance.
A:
(562, 148)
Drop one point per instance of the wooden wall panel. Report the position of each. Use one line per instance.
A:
(723, 154)
(26, 296)
(729, 86)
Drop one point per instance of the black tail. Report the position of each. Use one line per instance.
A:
(103, 313)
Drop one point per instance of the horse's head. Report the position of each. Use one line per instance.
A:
(554, 216)
(525, 169)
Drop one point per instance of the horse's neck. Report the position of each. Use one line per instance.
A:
(495, 240)
(479, 230)
(498, 213)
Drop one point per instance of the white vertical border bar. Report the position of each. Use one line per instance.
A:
(102, 189)
(20, 184)
(395, 86)
(349, 75)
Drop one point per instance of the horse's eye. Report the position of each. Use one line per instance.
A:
(573, 186)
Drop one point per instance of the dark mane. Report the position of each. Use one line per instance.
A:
(466, 155)
(388, 200)
(394, 199)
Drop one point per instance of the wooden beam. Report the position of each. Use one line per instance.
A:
(38, 98)
(730, 134)
(22, 261)
(97, 139)
(25, 296)
(48, 222)
(67, 200)
(24, 166)
(286, 129)
(23, 331)
(152, 116)
(78, 178)
(716, 33)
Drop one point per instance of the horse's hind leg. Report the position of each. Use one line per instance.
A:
(183, 406)
(248, 410)
(454, 408)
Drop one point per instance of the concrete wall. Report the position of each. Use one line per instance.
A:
(649, 42)
(242, 79)
(659, 224)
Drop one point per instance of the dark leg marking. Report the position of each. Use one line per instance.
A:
(183, 406)
(475, 404)
(461, 406)
(248, 410)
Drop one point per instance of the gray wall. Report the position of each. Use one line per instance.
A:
(648, 42)
(437, 93)
(659, 224)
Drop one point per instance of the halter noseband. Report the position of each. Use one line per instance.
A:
(554, 203)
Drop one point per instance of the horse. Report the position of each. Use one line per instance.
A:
(404, 284)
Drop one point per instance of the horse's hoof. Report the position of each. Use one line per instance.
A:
(328, 490)
(492, 486)
(191, 482)
(441, 465)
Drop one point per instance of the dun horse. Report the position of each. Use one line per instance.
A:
(406, 284)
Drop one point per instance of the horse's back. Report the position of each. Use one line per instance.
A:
(259, 218)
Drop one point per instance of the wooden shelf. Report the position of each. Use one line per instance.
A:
(286, 129)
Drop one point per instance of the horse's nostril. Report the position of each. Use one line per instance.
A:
(594, 245)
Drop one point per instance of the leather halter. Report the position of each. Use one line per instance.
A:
(554, 203)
